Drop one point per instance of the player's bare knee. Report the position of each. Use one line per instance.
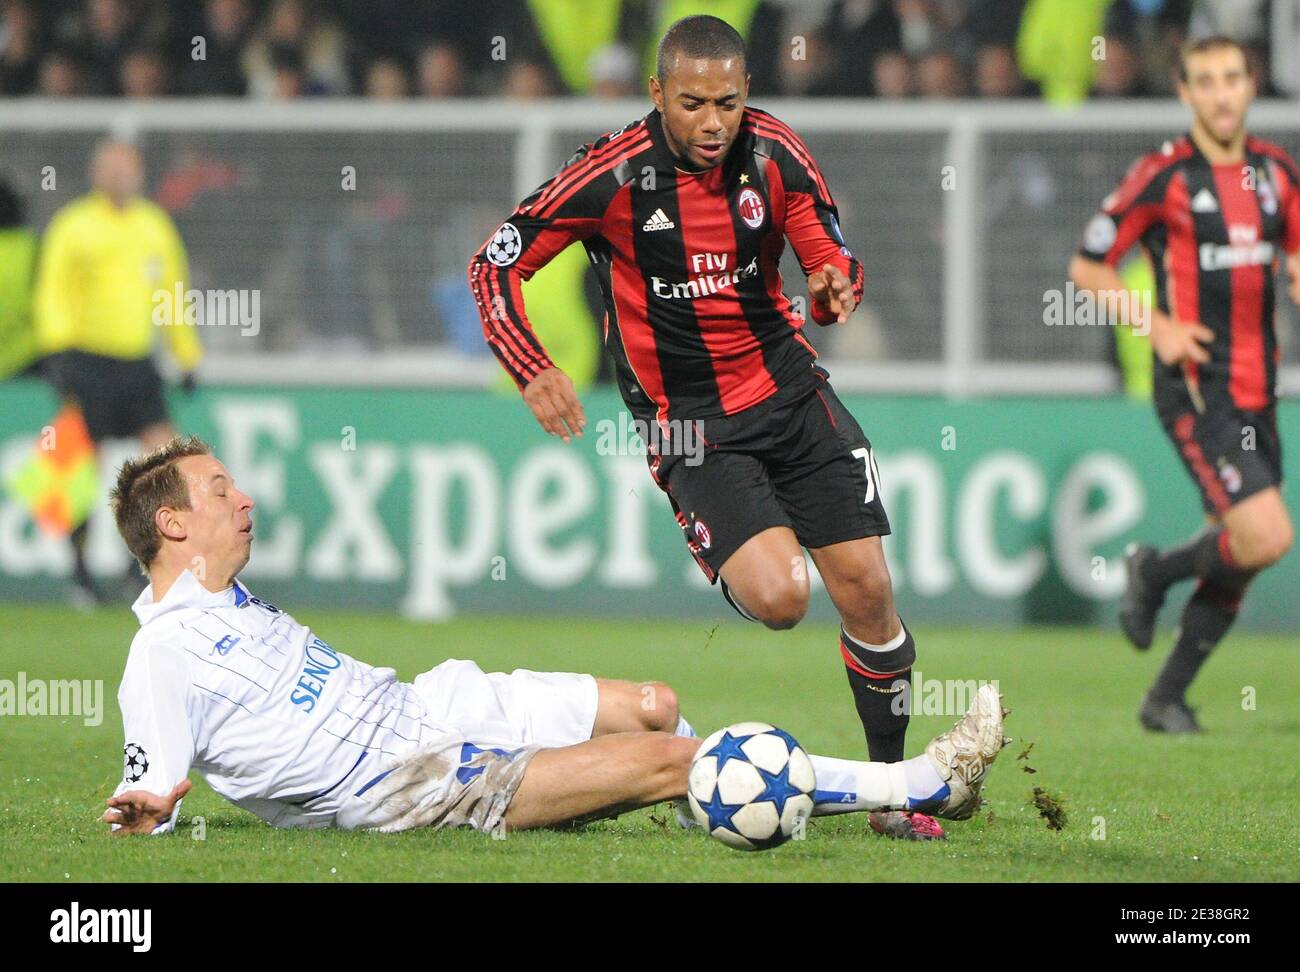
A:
(1278, 545)
(781, 607)
(659, 708)
(1284, 536)
(1257, 547)
(1270, 549)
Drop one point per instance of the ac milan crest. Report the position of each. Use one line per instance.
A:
(750, 206)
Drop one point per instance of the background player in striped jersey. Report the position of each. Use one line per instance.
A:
(1217, 210)
(684, 215)
(301, 734)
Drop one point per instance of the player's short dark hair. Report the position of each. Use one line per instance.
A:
(146, 483)
(1212, 43)
(699, 35)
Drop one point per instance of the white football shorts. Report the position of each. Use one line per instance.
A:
(488, 727)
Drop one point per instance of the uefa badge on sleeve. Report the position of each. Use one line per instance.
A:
(135, 762)
(504, 247)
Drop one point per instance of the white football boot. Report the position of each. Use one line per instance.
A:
(964, 753)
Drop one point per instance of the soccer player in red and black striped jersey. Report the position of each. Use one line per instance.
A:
(684, 214)
(1217, 210)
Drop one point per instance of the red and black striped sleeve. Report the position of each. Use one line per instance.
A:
(812, 220)
(1132, 209)
(566, 208)
(1286, 177)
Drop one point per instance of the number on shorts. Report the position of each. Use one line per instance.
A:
(873, 473)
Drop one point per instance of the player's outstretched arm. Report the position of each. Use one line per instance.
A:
(554, 403)
(511, 256)
(566, 208)
(142, 812)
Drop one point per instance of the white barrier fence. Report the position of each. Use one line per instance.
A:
(965, 215)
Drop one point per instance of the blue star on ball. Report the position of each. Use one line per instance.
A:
(728, 748)
(719, 813)
(778, 788)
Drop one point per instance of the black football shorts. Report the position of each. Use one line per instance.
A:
(118, 398)
(802, 463)
(1230, 454)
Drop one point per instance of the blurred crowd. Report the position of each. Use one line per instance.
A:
(1064, 50)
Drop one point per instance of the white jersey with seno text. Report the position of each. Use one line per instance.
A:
(278, 721)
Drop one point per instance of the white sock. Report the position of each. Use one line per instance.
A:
(684, 728)
(850, 785)
(924, 784)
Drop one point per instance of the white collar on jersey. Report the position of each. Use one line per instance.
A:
(186, 592)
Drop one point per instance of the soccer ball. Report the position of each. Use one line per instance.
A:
(751, 786)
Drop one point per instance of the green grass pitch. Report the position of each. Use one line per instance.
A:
(1140, 807)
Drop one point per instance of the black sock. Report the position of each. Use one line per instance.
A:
(881, 682)
(1205, 555)
(1206, 619)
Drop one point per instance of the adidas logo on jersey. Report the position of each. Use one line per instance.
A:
(1204, 202)
(658, 222)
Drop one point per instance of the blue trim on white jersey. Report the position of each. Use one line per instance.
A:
(373, 782)
(322, 793)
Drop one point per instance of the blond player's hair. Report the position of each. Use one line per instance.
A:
(143, 486)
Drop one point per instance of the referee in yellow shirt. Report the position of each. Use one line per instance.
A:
(106, 260)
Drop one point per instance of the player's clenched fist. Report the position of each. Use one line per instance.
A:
(832, 289)
(551, 397)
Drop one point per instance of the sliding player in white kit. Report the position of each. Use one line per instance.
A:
(288, 727)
